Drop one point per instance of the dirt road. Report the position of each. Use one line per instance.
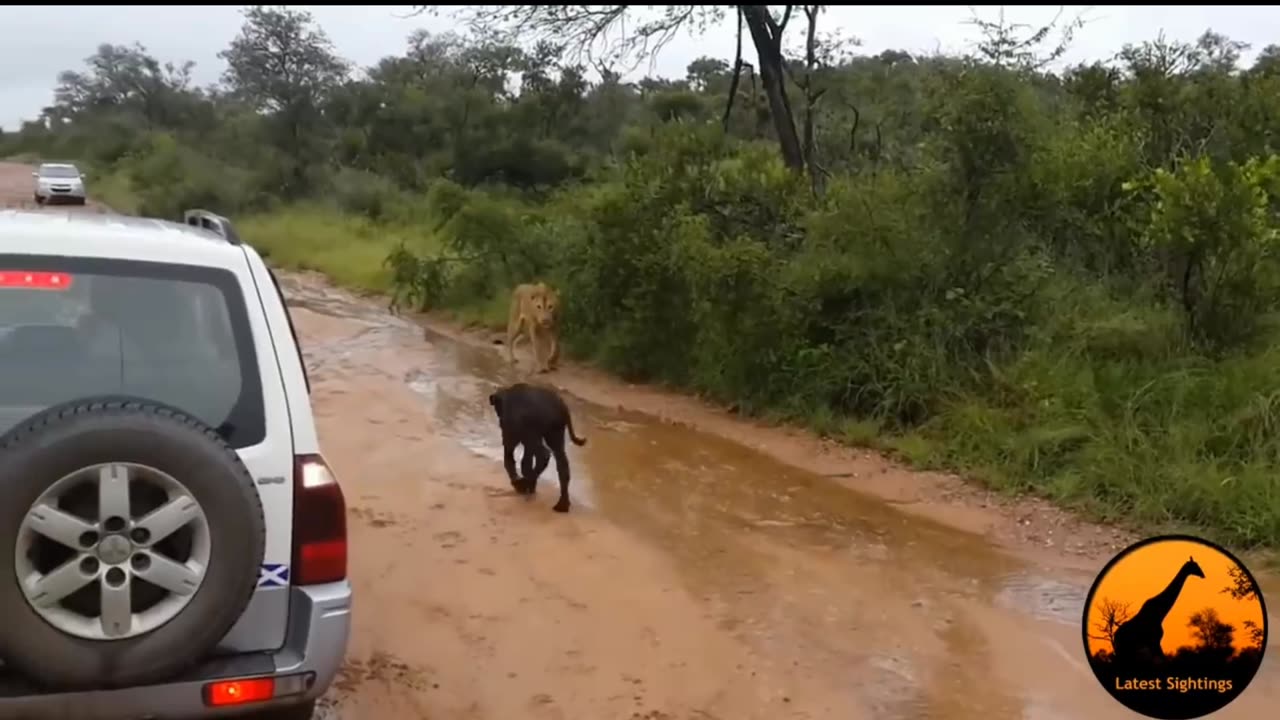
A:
(711, 570)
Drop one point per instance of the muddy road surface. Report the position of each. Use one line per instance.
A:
(695, 578)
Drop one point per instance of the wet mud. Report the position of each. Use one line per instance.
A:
(695, 577)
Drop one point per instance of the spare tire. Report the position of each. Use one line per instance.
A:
(131, 538)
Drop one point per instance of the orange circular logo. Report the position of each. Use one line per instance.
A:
(1175, 627)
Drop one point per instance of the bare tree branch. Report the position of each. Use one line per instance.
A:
(1015, 44)
(1242, 586)
(591, 31)
(816, 178)
(853, 129)
(1114, 614)
(782, 24)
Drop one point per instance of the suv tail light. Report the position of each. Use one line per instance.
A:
(319, 523)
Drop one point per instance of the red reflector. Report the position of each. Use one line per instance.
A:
(34, 280)
(322, 562)
(238, 692)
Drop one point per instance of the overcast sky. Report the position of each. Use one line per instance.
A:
(40, 41)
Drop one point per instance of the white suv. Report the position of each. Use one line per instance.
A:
(172, 543)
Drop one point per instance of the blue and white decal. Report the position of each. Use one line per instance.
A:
(272, 575)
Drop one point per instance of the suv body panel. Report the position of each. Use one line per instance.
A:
(306, 439)
(319, 627)
(68, 232)
(262, 625)
(307, 627)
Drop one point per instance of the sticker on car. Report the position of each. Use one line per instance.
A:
(273, 575)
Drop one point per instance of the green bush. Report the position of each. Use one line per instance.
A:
(1214, 239)
(169, 178)
(363, 193)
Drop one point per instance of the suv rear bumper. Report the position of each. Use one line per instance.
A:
(315, 645)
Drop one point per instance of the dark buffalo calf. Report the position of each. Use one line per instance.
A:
(536, 418)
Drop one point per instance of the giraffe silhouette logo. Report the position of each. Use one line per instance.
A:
(1175, 627)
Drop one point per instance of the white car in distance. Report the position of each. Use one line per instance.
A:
(58, 182)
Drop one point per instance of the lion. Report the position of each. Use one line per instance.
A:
(534, 307)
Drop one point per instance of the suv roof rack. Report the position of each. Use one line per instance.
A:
(212, 221)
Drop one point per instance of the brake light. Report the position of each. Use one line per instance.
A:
(239, 692)
(34, 280)
(319, 523)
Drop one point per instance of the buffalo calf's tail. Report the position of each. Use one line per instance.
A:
(576, 440)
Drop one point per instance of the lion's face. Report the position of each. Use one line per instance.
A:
(550, 305)
(538, 305)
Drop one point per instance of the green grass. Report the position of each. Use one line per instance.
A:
(490, 313)
(348, 249)
(1179, 445)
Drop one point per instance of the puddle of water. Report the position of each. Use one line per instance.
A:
(784, 559)
(1045, 597)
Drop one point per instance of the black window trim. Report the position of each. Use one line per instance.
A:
(297, 346)
(252, 426)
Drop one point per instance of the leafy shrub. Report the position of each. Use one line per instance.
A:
(363, 193)
(1212, 234)
(170, 178)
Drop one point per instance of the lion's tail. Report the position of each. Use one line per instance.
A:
(572, 436)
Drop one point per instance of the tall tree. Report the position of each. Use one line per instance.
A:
(282, 63)
(125, 78)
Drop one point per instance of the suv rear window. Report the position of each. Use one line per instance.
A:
(78, 327)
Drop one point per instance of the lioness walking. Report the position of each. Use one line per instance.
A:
(533, 313)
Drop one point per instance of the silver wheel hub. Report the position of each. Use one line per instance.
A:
(112, 551)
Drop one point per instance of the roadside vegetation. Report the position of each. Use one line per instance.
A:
(1056, 282)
